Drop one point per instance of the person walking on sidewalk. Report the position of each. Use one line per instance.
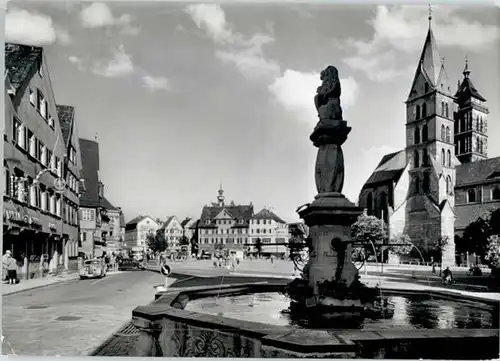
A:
(11, 270)
(5, 261)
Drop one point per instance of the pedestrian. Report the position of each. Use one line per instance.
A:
(12, 270)
(5, 261)
(433, 268)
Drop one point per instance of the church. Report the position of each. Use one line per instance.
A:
(443, 180)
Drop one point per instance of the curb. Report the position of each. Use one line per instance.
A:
(40, 286)
(77, 278)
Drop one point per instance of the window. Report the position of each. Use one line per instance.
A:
(44, 195)
(495, 194)
(6, 178)
(442, 109)
(449, 158)
(448, 185)
(43, 155)
(21, 189)
(426, 87)
(416, 159)
(446, 110)
(443, 159)
(51, 121)
(58, 167)
(32, 97)
(72, 155)
(425, 157)
(33, 194)
(426, 183)
(19, 133)
(443, 133)
(417, 112)
(462, 124)
(40, 103)
(52, 161)
(86, 214)
(416, 135)
(52, 205)
(32, 144)
(424, 110)
(425, 133)
(58, 206)
(448, 135)
(471, 196)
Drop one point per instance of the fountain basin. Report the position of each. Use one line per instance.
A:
(170, 327)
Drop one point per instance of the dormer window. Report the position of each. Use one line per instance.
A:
(426, 88)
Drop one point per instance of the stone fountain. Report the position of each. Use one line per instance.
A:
(330, 281)
(179, 322)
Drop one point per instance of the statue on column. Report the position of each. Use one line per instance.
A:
(329, 134)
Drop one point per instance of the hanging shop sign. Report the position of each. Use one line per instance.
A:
(59, 185)
(20, 217)
(52, 227)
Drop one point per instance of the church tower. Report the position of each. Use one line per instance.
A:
(430, 150)
(220, 197)
(471, 141)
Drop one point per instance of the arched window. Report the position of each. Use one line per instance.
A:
(462, 124)
(417, 184)
(424, 110)
(448, 134)
(416, 159)
(417, 115)
(443, 159)
(449, 158)
(417, 135)
(425, 157)
(425, 133)
(478, 145)
(443, 133)
(442, 109)
(427, 182)
(446, 110)
(384, 207)
(448, 185)
(496, 193)
(481, 125)
(426, 88)
(369, 204)
(471, 196)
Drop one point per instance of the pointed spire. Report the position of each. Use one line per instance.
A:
(466, 71)
(430, 16)
(430, 61)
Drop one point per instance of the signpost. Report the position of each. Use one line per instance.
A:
(164, 270)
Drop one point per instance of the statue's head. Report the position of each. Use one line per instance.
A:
(330, 73)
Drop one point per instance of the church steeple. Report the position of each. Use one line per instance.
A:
(471, 142)
(430, 64)
(220, 197)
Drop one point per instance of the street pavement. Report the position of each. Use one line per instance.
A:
(75, 317)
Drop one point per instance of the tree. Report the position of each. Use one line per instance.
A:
(219, 246)
(184, 241)
(156, 242)
(437, 250)
(296, 243)
(493, 251)
(401, 244)
(368, 232)
(476, 235)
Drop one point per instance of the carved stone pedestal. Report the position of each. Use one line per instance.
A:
(330, 217)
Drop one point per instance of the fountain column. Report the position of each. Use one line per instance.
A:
(331, 214)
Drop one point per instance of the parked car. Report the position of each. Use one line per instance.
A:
(125, 264)
(93, 268)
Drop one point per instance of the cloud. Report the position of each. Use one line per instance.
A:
(36, 29)
(77, 61)
(99, 15)
(120, 65)
(295, 92)
(246, 54)
(156, 83)
(399, 32)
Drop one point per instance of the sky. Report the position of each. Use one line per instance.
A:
(184, 96)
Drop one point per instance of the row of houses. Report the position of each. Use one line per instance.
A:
(236, 227)
(54, 209)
